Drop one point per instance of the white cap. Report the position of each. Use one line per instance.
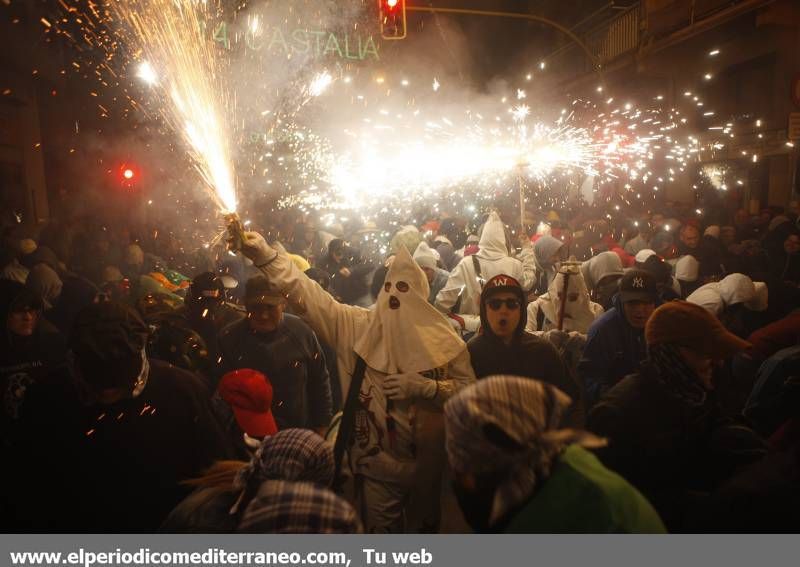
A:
(424, 256)
(642, 255)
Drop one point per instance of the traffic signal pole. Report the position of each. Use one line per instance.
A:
(513, 15)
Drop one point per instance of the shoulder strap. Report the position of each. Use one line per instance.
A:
(348, 417)
(477, 264)
(540, 319)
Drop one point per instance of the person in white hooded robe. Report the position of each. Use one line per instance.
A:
(734, 289)
(414, 363)
(579, 311)
(461, 296)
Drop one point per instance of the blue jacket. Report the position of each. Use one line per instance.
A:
(613, 350)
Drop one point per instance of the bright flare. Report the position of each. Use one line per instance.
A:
(173, 36)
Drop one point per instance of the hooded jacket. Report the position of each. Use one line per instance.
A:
(613, 350)
(598, 267)
(543, 251)
(578, 315)
(494, 260)
(527, 355)
(24, 361)
(414, 337)
(426, 258)
(64, 296)
(732, 290)
(664, 447)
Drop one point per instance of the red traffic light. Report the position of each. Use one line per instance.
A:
(128, 175)
(392, 14)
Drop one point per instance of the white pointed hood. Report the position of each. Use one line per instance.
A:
(493, 239)
(405, 333)
(578, 314)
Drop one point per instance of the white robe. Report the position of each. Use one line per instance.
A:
(413, 338)
(494, 260)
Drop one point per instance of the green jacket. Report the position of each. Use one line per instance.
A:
(582, 496)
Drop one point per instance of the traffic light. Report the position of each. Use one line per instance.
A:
(393, 18)
(128, 176)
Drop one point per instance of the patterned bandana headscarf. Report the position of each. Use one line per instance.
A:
(291, 454)
(529, 412)
(674, 374)
(282, 507)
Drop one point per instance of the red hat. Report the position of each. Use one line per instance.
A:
(249, 393)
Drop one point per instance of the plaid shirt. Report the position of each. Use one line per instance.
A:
(282, 507)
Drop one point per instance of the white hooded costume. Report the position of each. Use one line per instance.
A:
(402, 335)
(494, 260)
(731, 290)
(598, 267)
(578, 314)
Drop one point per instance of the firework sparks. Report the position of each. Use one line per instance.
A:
(320, 83)
(171, 34)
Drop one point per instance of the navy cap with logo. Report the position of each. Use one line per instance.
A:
(638, 285)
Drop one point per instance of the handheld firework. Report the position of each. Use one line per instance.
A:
(568, 268)
(235, 229)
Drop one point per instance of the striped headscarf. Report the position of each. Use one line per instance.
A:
(282, 507)
(675, 375)
(529, 413)
(290, 454)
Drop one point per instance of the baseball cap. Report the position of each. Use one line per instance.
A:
(249, 393)
(691, 326)
(500, 282)
(638, 285)
(258, 291)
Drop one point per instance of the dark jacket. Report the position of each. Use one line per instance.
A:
(209, 323)
(76, 294)
(119, 466)
(24, 361)
(527, 355)
(664, 447)
(613, 350)
(294, 363)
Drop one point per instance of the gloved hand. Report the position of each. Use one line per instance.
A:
(409, 386)
(256, 248)
(457, 322)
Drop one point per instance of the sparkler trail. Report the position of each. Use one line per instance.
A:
(181, 63)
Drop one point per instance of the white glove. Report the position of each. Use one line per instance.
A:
(456, 325)
(409, 386)
(256, 248)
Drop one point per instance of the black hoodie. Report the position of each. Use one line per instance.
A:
(527, 355)
(24, 361)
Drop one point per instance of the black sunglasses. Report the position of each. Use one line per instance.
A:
(495, 304)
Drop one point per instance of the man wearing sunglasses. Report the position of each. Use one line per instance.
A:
(502, 345)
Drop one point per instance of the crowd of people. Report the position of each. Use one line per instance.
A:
(575, 374)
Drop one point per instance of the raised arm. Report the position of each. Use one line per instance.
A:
(335, 323)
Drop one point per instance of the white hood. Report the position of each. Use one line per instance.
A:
(544, 249)
(731, 290)
(687, 269)
(412, 337)
(493, 239)
(578, 314)
(596, 268)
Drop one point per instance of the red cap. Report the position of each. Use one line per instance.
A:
(249, 393)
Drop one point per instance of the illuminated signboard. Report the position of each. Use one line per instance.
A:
(301, 41)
